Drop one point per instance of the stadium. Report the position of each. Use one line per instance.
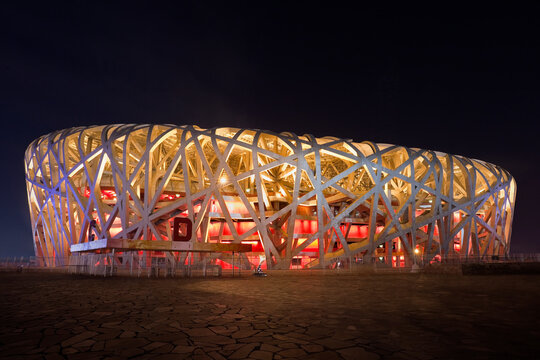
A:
(280, 200)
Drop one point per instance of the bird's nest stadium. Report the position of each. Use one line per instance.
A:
(167, 191)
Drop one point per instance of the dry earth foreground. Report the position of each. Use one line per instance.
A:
(315, 316)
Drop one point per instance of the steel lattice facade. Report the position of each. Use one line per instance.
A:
(300, 200)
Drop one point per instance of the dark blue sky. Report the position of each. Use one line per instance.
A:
(458, 80)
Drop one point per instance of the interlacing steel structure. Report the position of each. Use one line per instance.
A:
(299, 200)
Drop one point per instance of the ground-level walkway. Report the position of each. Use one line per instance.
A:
(309, 315)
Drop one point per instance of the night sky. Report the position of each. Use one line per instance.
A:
(459, 80)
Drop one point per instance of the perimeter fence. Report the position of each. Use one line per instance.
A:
(219, 264)
(133, 263)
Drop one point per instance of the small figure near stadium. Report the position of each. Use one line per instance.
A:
(258, 271)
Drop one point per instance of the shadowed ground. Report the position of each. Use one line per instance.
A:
(306, 315)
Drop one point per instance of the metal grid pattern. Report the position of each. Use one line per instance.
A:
(319, 199)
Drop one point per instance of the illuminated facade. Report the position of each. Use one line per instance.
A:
(299, 200)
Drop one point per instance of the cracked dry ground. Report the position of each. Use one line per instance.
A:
(317, 316)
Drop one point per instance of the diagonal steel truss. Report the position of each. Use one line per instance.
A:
(297, 196)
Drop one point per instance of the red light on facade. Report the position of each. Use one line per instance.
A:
(108, 194)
